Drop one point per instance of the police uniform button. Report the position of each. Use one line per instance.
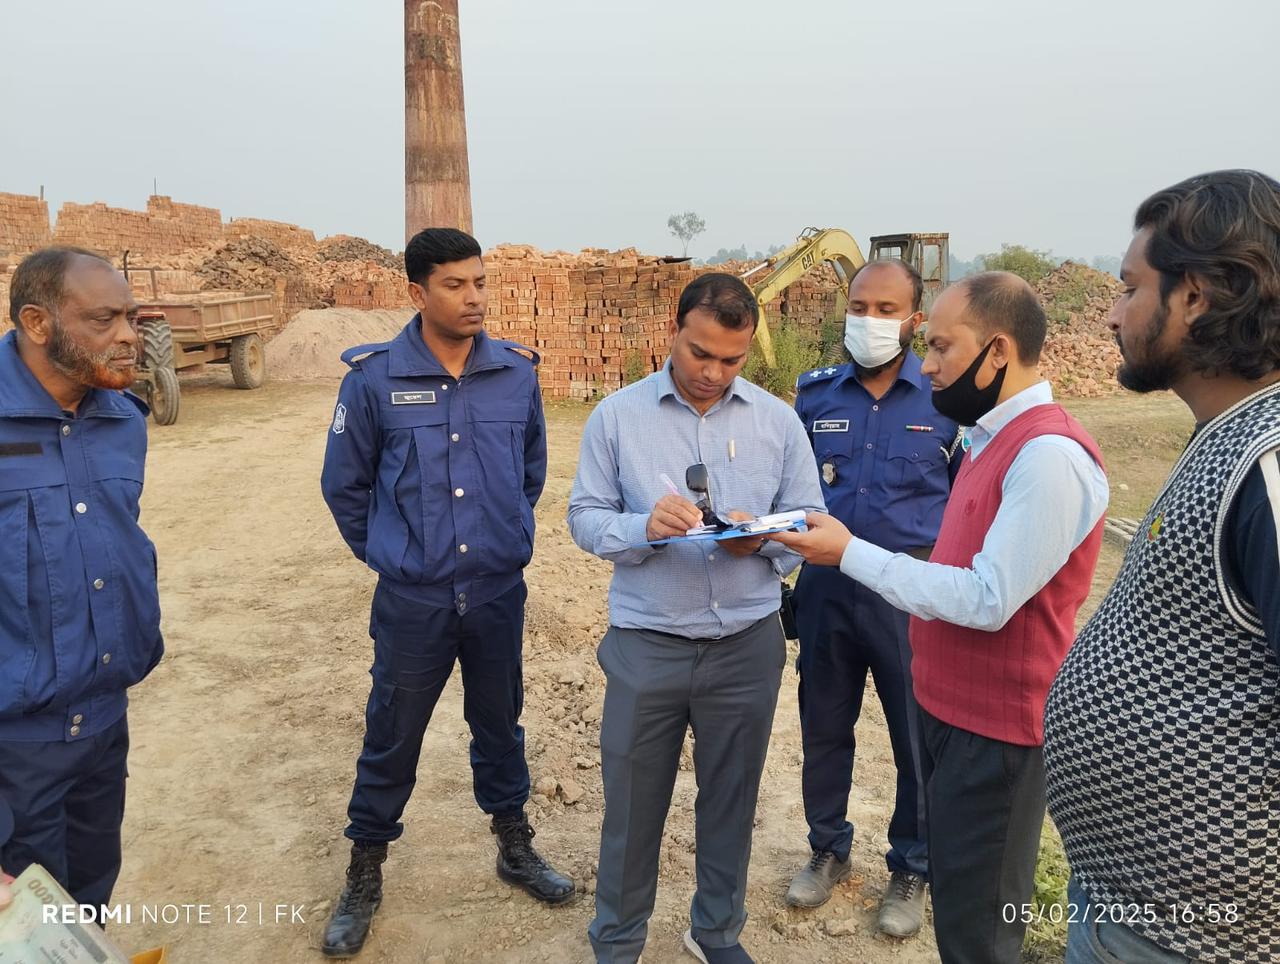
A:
(870, 446)
(78, 718)
(715, 604)
(459, 493)
(862, 491)
(98, 584)
(106, 658)
(81, 508)
(462, 548)
(66, 430)
(875, 408)
(75, 731)
(454, 437)
(444, 388)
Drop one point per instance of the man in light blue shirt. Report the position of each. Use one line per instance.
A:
(694, 637)
(993, 610)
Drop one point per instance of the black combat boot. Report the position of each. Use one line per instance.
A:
(520, 864)
(349, 923)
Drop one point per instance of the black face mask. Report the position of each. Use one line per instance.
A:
(963, 401)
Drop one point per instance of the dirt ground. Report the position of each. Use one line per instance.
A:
(245, 736)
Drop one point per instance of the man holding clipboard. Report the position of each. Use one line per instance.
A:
(694, 637)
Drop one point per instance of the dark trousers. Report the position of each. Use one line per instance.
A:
(846, 631)
(414, 649)
(986, 802)
(68, 804)
(659, 686)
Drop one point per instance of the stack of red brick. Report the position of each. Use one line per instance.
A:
(24, 226)
(164, 228)
(287, 236)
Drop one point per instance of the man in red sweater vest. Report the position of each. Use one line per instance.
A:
(993, 610)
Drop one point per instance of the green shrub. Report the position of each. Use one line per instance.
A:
(795, 351)
(633, 367)
(1047, 933)
(1025, 262)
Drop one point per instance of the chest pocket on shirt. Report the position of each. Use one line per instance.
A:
(427, 427)
(913, 455)
(35, 469)
(499, 427)
(832, 438)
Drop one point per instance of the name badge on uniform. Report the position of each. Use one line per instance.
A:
(831, 425)
(413, 398)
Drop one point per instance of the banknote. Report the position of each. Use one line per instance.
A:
(26, 938)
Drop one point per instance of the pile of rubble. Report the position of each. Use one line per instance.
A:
(344, 247)
(1080, 355)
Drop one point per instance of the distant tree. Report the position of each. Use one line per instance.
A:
(686, 227)
(958, 269)
(1025, 262)
(1108, 263)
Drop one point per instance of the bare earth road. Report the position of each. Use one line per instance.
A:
(245, 736)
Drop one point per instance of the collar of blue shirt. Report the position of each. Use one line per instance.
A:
(910, 374)
(1041, 393)
(409, 355)
(666, 386)
(22, 395)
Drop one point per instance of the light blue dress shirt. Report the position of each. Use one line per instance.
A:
(1054, 494)
(759, 461)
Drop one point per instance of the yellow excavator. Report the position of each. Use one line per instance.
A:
(927, 252)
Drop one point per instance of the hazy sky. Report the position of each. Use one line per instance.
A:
(1042, 123)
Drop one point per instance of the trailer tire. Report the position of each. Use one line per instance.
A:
(248, 361)
(164, 396)
(157, 344)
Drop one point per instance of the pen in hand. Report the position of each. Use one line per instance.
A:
(671, 486)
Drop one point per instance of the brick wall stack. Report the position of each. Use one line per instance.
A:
(24, 226)
(6, 275)
(388, 292)
(285, 235)
(597, 318)
(165, 228)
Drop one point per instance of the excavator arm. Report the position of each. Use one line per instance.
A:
(813, 247)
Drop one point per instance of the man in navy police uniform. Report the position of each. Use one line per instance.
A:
(79, 608)
(884, 455)
(436, 457)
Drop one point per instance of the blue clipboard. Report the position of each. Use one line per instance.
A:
(762, 526)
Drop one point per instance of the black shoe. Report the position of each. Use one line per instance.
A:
(520, 864)
(349, 923)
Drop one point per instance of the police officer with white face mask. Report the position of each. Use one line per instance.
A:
(884, 455)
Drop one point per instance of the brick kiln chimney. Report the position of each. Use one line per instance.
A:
(437, 180)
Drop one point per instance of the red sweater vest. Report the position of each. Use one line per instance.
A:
(995, 684)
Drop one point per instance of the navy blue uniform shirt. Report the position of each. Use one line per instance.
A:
(884, 463)
(79, 608)
(432, 480)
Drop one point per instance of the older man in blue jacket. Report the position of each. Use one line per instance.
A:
(79, 608)
(436, 456)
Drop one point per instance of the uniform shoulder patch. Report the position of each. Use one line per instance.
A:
(817, 375)
(352, 356)
(522, 351)
(339, 419)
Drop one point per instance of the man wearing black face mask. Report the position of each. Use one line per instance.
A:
(993, 612)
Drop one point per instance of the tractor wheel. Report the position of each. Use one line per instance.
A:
(164, 395)
(157, 344)
(248, 361)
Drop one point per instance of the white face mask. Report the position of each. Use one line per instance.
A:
(873, 341)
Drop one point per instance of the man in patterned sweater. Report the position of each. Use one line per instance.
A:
(1162, 729)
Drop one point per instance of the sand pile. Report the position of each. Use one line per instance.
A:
(310, 345)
